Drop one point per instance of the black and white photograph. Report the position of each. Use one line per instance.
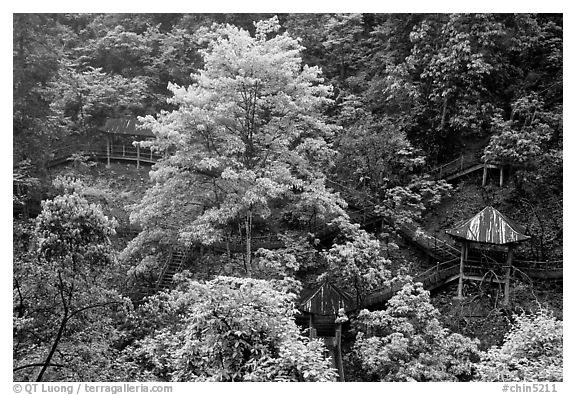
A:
(287, 197)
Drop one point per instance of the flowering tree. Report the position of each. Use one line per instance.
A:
(356, 262)
(247, 133)
(228, 329)
(532, 351)
(406, 342)
(61, 294)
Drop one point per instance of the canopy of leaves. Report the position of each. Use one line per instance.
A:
(406, 342)
(63, 322)
(248, 134)
(229, 329)
(532, 351)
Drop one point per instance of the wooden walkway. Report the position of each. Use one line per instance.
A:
(361, 210)
(124, 153)
(464, 165)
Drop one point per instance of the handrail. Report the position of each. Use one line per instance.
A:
(423, 239)
(550, 264)
(455, 165)
(114, 151)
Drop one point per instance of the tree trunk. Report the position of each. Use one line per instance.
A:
(65, 318)
(54, 347)
(248, 225)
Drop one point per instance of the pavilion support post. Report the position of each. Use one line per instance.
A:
(484, 175)
(108, 149)
(507, 278)
(338, 351)
(463, 255)
(312, 330)
(501, 176)
(137, 156)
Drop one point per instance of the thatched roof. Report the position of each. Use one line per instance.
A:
(491, 227)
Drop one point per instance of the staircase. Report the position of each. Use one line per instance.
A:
(174, 264)
(458, 167)
(438, 249)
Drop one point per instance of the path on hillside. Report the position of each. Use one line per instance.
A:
(362, 210)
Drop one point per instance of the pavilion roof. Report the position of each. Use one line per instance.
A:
(489, 226)
(126, 126)
(325, 299)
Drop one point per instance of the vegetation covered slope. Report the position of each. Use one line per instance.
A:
(278, 133)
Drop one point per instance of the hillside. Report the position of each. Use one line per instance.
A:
(259, 197)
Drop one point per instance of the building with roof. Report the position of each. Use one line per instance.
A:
(121, 134)
(323, 309)
(487, 231)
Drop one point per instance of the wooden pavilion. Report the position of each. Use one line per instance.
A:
(490, 237)
(319, 307)
(120, 134)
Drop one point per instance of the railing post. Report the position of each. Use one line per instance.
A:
(123, 150)
(461, 277)
(108, 151)
(137, 156)
(507, 278)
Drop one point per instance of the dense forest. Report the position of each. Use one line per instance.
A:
(288, 219)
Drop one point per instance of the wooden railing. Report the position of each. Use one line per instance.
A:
(430, 278)
(458, 165)
(113, 152)
(437, 248)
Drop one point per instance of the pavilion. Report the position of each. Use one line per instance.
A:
(493, 235)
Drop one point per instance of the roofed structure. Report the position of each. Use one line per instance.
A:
(126, 126)
(491, 227)
(325, 299)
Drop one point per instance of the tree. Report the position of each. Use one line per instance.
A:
(35, 60)
(355, 262)
(61, 291)
(373, 153)
(406, 342)
(228, 329)
(532, 351)
(246, 135)
(85, 98)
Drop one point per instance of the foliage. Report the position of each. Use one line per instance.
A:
(296, 255)
(524, 138)
(373, 154)
(228, 329)
(532, 351)
(246, 134)
(406, 342)
(62, 302)
(406, 204)
(255, 143)
(86, 97)
(356, 263)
